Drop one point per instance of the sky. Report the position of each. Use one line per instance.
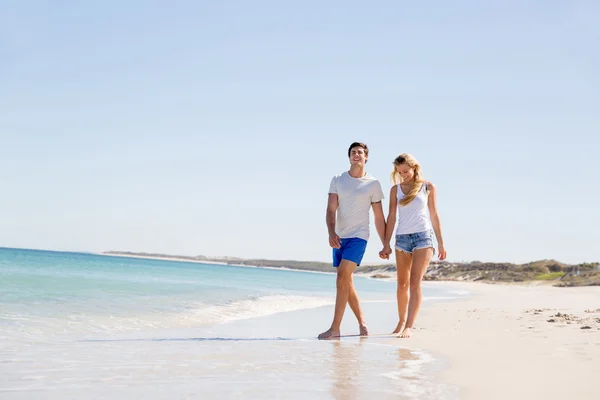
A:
(214, 128)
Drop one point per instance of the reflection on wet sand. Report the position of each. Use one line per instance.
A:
(406, 355)
(346, 368)
(361, 368)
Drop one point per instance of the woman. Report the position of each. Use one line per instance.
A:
(410, 198)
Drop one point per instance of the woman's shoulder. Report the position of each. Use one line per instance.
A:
(429, 186)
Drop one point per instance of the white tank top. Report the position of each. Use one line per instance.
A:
(413, 217)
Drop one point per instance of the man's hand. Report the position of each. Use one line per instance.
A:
(385, 253)
(334, 240)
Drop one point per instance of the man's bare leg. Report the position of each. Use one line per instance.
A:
(403, 268)
(420, 263)
(355, 306)
(343, 283)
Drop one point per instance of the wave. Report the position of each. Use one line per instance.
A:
(21, 323)
(24, 325)
(258, 307)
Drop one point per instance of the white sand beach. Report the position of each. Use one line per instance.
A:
(500, 344)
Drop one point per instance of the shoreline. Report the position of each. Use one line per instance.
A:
(164, 258)
(222, 263)
(380, 357)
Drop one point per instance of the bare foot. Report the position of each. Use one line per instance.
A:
(405, 333)
(329, 334)
(364, 331)
(399, 327)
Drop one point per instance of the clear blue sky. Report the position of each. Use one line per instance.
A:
(214, 128)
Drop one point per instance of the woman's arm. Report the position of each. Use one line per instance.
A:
(435, 220)
(391, 218)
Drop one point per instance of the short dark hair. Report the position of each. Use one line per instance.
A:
(358, 144)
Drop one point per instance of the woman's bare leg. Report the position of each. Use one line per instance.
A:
(403, 270)
(420, 262)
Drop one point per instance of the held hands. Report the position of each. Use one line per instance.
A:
(334, 240)
(385, 253)
(441, 252)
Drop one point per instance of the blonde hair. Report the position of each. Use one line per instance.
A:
(418, 180)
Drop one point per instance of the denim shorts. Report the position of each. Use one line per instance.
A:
(351, 249)
(412, 241)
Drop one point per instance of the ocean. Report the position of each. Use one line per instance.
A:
(76, 325)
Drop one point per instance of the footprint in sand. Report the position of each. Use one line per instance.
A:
(537, 310)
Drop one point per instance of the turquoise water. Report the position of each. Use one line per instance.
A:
(74, 324)
(58, 292)
(44, 276)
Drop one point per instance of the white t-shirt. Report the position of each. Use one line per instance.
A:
(355, 196)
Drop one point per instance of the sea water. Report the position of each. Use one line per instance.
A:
(76, 325)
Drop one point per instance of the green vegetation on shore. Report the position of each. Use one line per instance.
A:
(586, 274)
(559, 274)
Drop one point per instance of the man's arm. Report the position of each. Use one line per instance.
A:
(379, 220)
(332, 206)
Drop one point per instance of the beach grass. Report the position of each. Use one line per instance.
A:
(589, 278)
(550, 276)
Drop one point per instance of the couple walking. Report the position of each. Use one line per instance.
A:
(412, 199)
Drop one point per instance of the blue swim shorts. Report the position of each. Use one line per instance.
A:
(412, 241)
(351, 249)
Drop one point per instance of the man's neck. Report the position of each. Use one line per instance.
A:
(357, 171)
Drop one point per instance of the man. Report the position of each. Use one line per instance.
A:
(351, 196)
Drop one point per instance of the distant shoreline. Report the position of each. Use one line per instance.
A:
(549, 272)
(205, 261)
(542, 272)
(157, 257)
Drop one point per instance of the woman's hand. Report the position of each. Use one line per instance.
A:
(441, 252)
(385, 252)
